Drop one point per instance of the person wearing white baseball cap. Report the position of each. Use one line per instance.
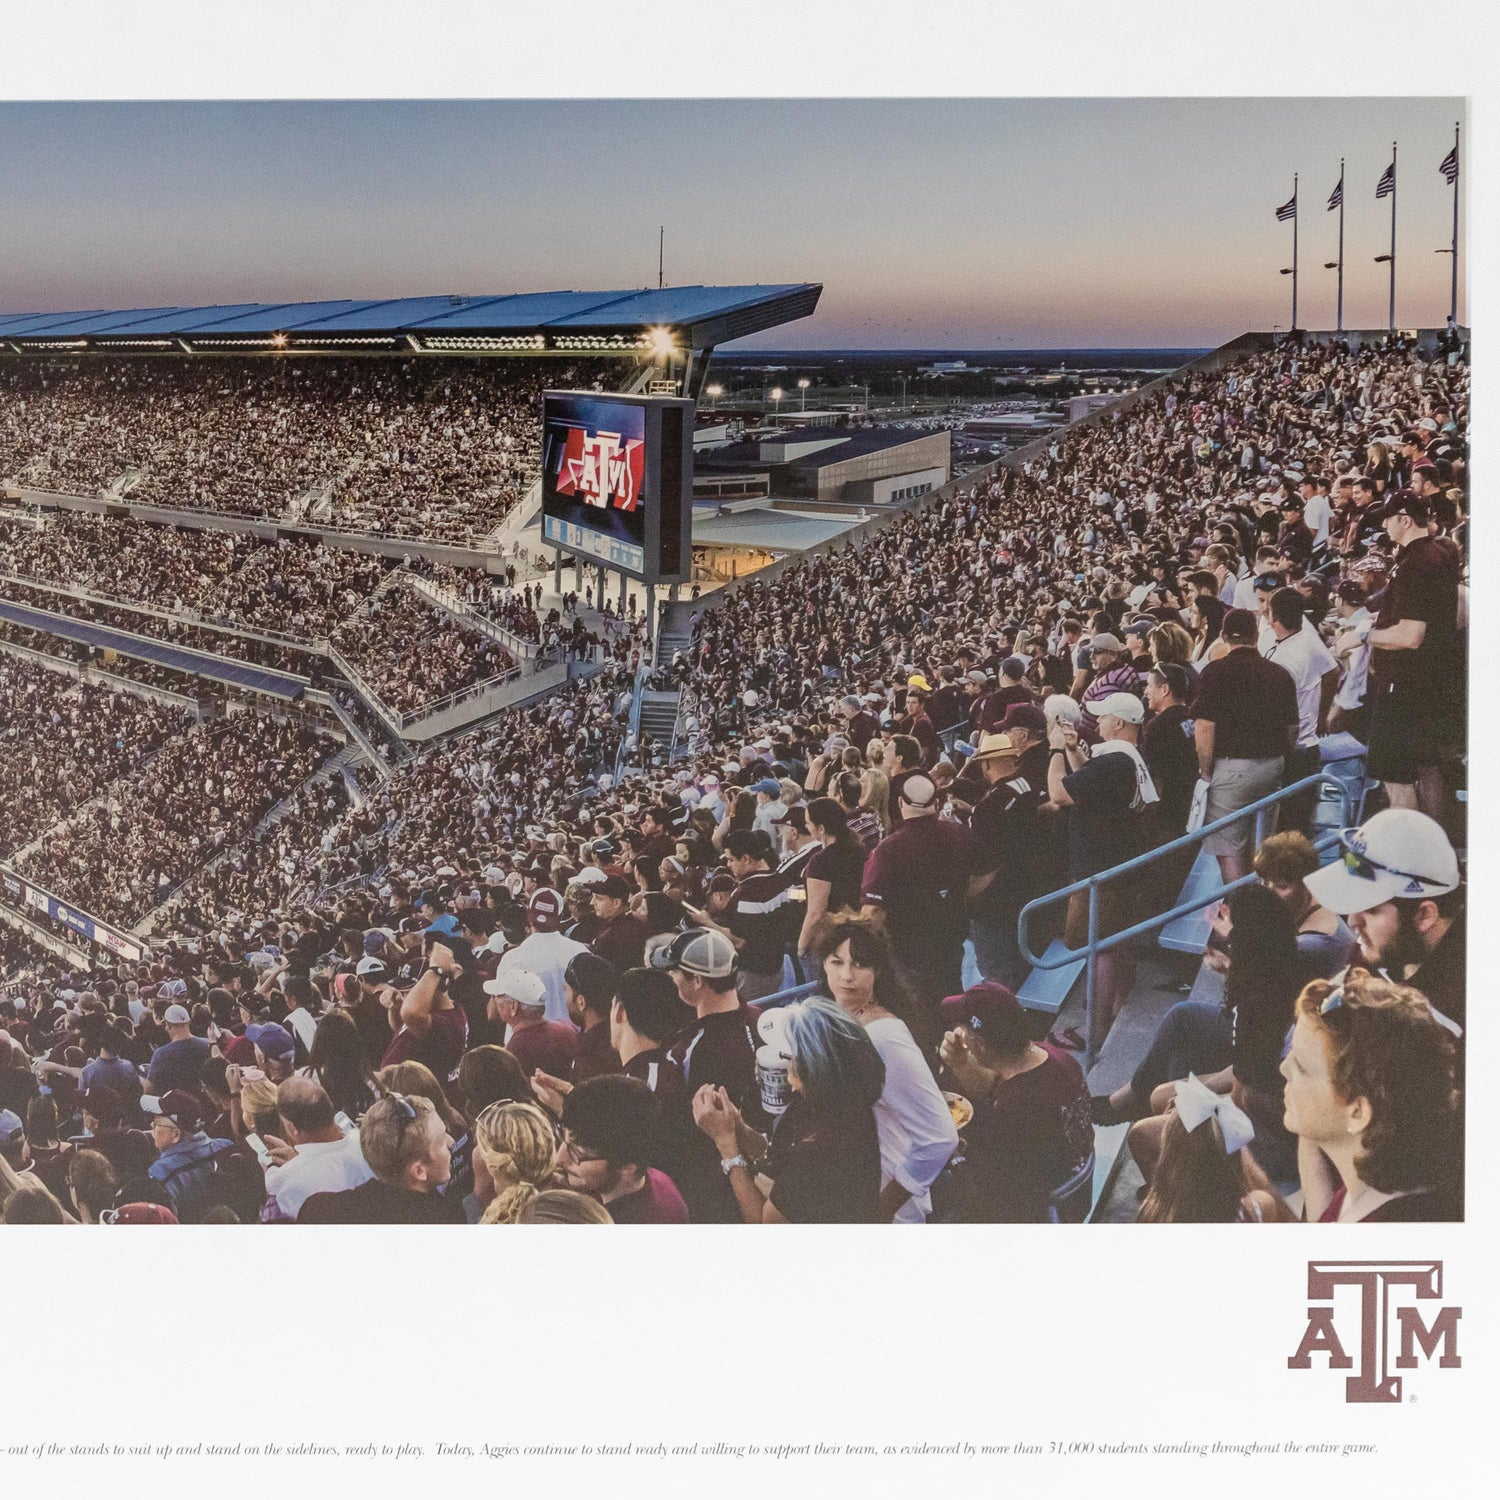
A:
(545, 951)
(1398, 882)
(519, 999)
(178, 1063)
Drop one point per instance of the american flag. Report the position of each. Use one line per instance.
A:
(1449, 168)
(1336, 197)
(1387, 184)
(1288, 210)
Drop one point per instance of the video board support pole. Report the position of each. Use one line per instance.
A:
(557, 570)
(651, 618)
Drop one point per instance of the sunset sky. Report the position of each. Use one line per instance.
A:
(931, 223)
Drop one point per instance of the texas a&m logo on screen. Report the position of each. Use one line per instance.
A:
(1365, 1310)
(602, 469)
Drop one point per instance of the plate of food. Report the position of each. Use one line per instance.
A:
(960, 1108)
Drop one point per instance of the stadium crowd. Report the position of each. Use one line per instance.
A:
(530, 986)
(439, 449)
(62, 742)
(413, 653)
(120, 855)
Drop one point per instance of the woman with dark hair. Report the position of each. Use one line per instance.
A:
(824, 1156)
(917, 1133)
(490, 1075)
(1206, 621)
(834, 873)
(1256, 949)
(741, 815)
(1370, 1097)
(337, 1060)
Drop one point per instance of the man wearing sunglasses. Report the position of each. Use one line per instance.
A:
(1398, 882)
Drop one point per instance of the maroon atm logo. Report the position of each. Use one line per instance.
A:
(602, 469)
(1401, 1318)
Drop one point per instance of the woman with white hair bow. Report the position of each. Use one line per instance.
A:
(1206, 1174)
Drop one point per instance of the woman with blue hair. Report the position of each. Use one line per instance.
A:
(824, 1155)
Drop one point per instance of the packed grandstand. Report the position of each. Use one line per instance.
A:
(767, 967)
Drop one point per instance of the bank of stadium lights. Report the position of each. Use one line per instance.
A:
(802, 386)
(278, 341)
(533, 343)
(662, 342)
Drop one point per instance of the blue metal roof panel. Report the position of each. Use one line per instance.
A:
(23, 324)
(115, 322)
(524, 310)
(675, 304)
(379, 317)
(179, 319)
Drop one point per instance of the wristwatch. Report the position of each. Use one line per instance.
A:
(731, 1162)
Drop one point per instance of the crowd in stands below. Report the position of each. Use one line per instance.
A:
(440, 449)
(62, 743)
(119, 857)
(533, 985)
(413, 653)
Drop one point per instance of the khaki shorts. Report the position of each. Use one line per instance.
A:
(1235, 784)
(1115, 913)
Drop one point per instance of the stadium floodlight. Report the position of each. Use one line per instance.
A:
(279, 340)
(776, 394)
(802, 386)
(662, 342)
(714, 392)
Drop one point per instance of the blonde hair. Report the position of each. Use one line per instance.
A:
(520, 1150)
(877, 795)
(564, 1206)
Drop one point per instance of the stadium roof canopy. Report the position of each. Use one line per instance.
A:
(651, 321)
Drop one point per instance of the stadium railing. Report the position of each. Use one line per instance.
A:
(1350, 795)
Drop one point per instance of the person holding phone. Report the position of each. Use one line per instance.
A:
(429, 1026)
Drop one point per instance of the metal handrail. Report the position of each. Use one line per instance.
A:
(1093, 884)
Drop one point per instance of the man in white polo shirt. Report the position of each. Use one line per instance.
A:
(1298, 649)
(313, 1155)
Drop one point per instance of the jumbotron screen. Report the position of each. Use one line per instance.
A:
(617, 481)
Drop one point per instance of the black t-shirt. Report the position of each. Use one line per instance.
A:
(1260, 1016)
(1171, 758)
(825, 1165)
(374, 1202)
(1251, 702)
(1012, 842)
(843, 869)
(1102, 829)
(1423, 586)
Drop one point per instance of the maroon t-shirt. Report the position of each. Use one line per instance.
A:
(440, 1047)
(595, 1056)
(548, 1045)
(1027, 1138)
(622, 941)
(658, 1202)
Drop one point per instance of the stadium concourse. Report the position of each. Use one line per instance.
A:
(766, 968)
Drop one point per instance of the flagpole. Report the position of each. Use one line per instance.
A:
(1296, 208)
(1393, 238)
(1341, 245)
(1453, 301)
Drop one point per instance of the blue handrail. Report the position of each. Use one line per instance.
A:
(1349, 796)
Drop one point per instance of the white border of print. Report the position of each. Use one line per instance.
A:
(704, 1336)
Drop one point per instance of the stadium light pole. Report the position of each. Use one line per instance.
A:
(713, 393)
(776, 395)
(802, 386)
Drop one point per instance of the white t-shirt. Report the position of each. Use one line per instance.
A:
(916, 1130)
(1306, 657)
(1316, 517)
(547, 955)
(318, 1167)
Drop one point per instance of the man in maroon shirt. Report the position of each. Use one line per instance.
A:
(918, 724)
(621, 938)
(918, 876)
(612, 1133)
(519, 999)
(861, 725)
(589, 982)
